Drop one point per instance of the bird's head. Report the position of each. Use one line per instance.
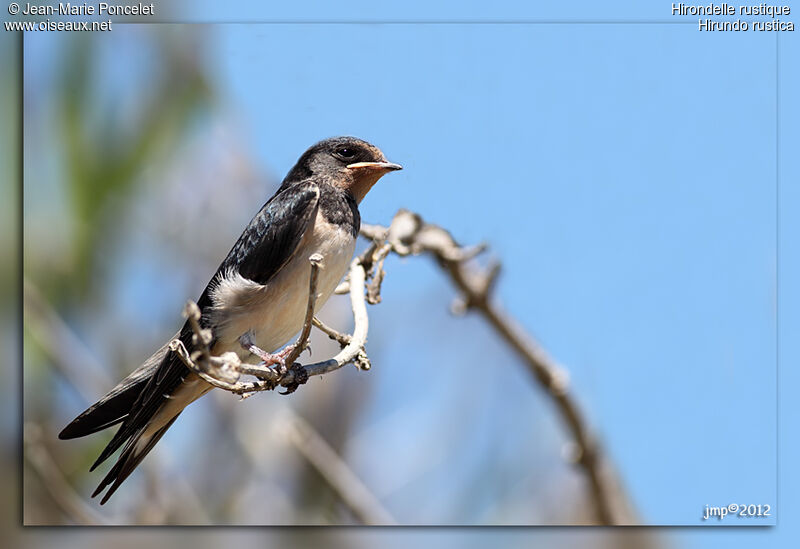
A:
(345, 162)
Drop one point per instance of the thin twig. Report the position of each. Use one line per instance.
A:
(342, 339)
(302, 341)
(354, 350)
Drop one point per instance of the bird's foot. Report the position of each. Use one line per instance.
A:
(271, 359)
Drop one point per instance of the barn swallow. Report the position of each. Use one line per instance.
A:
(258, 295)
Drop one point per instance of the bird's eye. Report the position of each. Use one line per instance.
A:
(345, 152)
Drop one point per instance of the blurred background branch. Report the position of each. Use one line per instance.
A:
(308, 442)
(75, 507)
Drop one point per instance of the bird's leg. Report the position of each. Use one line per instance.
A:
(279, 358)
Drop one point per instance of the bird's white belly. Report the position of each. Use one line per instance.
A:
(274, 312)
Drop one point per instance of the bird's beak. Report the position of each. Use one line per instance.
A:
(383, 166)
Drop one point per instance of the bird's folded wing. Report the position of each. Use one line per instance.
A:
(267, 244)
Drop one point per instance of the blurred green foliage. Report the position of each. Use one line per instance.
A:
(99, 165)
(9, 160)
(102, 160)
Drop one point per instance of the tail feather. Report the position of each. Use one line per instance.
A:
(108, 411)
(115, 406)
(135, 450)
(124, 434)
(149, 404)
(145, 405)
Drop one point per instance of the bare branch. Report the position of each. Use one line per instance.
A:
(354, 349)
(409, 234)
(342, 339)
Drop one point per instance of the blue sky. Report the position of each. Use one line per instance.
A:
(632, 203)
(624, 173)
